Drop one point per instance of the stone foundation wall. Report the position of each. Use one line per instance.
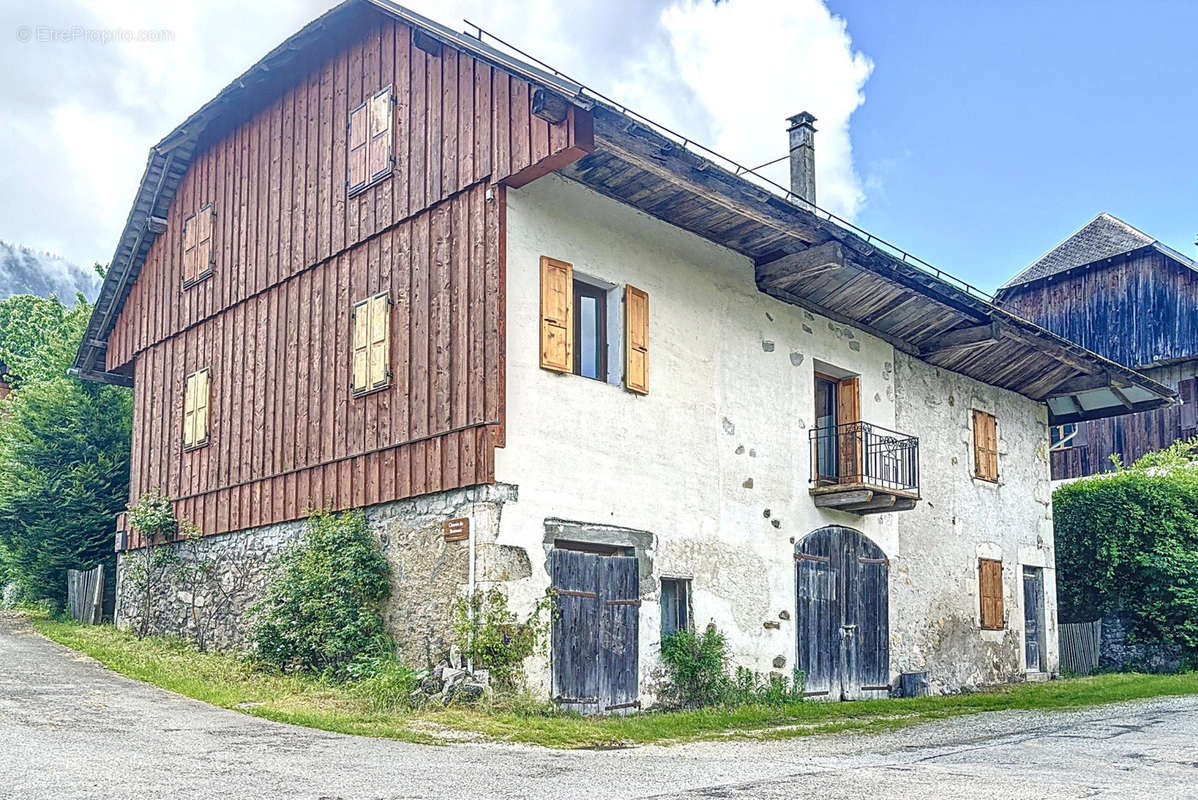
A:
(427, 573)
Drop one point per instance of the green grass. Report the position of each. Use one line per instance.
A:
(230, 682)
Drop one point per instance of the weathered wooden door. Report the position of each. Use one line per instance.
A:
(595, 630)
(1033, 616)
(842, 582)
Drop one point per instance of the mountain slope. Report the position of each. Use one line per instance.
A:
(25, 271)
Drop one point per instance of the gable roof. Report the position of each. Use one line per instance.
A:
(1103, 237)
(863, 281)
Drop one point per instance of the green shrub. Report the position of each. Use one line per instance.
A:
(1127, 543)
(697, 675)
(493, 638)
(696, 668)
(322, 610)
(383, 681)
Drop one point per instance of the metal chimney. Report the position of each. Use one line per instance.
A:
(802, 156)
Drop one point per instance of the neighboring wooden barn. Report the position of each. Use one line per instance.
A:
(1117, 291)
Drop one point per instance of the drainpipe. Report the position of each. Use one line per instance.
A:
(470, 600)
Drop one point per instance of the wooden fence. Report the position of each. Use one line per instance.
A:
(85, 594)
(1079, 643)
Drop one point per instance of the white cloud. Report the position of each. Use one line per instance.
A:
(81, 116)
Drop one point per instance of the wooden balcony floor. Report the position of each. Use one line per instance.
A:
(863, 498)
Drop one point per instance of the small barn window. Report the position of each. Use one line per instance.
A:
(1187, 391)
(197, 394)
(675, 605)
(1063, 436)
(370, 141)
(985, 446)
(198, 252)
(372, 344)
(990, 589)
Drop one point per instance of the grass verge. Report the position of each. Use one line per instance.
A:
(229, 682)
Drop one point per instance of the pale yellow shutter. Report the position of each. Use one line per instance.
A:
(636, 318)
(189, 411)
(381, 106)
(380, 340)
(203, 250)
(203, 396)
(361, 345)
(189, 249)
(557, 315)
(358, 125)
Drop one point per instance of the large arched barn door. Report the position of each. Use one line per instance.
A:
(843, 614)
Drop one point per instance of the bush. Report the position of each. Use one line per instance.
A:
(322, 609)
(696, 668)
(697, 675)
(1127, 543)
(493, 638)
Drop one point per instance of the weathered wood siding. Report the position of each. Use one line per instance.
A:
(1129, 436)
(1138, 310)
(293, 253)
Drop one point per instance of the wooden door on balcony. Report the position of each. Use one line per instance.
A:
(839, 453)
(842, 590)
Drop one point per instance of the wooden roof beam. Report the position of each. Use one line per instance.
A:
(794, 267)
(961, 338)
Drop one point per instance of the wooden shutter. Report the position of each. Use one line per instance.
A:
(189, 250)
(557, 315)
(848, 411)
(380, 340)
(636, 338)
(1187, 391)
(204, 258)
(990, 588)
(358, 126)
(196, 397)
(985, 446)
(361, 344)
(380, 159)
(372, 343)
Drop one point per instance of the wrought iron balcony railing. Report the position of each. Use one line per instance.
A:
(858, 453)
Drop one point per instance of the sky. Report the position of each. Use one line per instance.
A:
(975, 135)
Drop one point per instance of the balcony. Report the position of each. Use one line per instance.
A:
(864, 469)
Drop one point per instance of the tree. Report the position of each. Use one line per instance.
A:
(64, 450)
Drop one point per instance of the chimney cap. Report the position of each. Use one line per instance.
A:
(802, 118)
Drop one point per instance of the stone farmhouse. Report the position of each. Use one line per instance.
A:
(543, 341)
(1118, 291)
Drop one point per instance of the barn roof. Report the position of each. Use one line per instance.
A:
(1103, 237)
(803, 255)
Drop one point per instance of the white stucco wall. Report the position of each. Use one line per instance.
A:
(714, 460)
(935, 603)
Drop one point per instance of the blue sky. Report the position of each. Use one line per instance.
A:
(990, 131)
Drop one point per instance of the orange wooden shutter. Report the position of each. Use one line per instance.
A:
(848, 410)
(636, 317)
(985, 446)
(360, 380)
(204, 249)
(189, 249)
(203, 395)
(358, 125)
(380, 160)
(990, 589)
(557, 315)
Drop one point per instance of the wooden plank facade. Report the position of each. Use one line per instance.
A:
(293, 251)
(1139, 308)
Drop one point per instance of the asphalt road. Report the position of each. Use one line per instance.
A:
(69, 728)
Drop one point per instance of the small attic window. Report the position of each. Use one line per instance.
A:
(370, 142)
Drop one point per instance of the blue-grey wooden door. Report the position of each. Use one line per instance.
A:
(595, 632)
(843, 622)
